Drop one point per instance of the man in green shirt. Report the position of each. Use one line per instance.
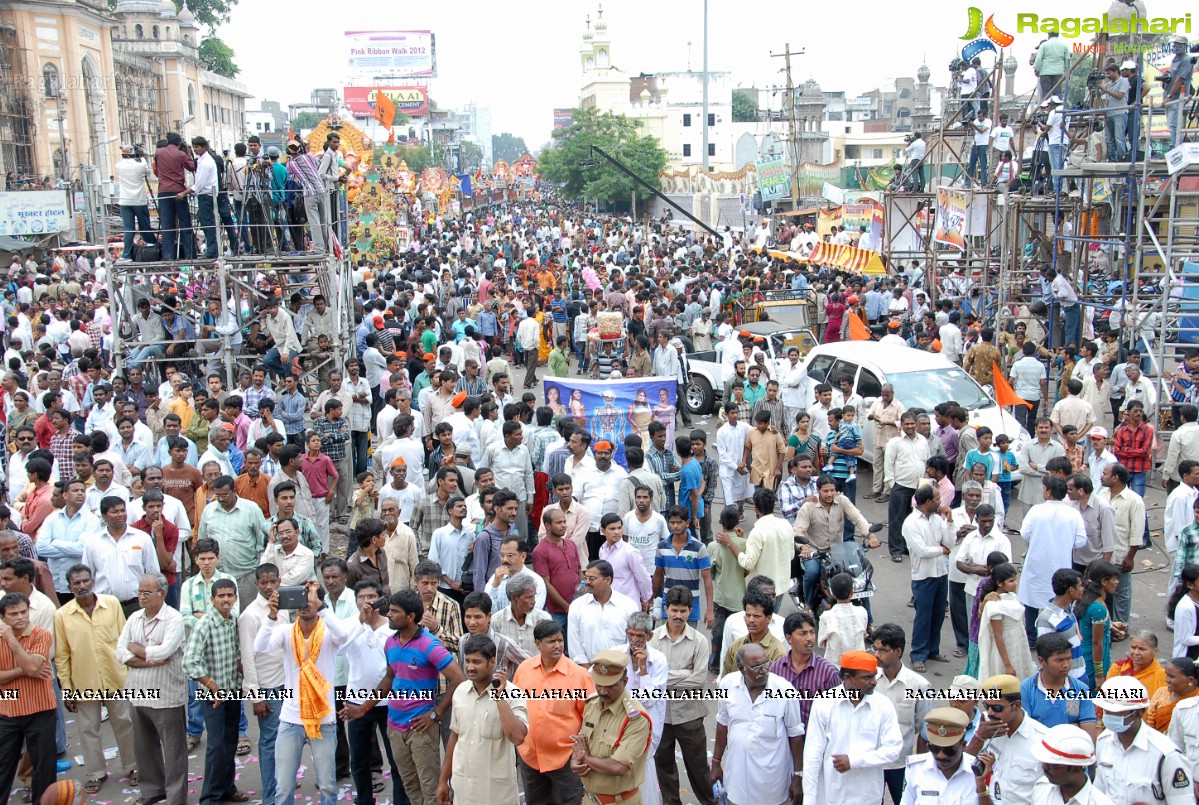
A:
(559, 363)
(238, 525)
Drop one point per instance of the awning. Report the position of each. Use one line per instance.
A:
(17, 245)
(848, 258)
(795, 213)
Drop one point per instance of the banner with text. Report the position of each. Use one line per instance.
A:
(34, 212)
(773, 180)
(412, 101)
(614, 409)
(951, 218)
(391, 54)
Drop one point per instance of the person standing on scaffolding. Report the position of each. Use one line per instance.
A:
(330, 172)
(914, 152)
(304, 169)
(1178, 90)
(256, 213)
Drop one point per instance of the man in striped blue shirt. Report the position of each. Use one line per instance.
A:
(415, 659)
(683, 560)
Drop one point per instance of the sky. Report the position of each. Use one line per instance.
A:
(520, 58)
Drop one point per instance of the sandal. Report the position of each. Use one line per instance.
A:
(192, 742)
(939, 658)
(94, 785)
(243, 748)
(959, 652)
(133, 779)
(919, 668)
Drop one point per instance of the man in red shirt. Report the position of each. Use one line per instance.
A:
(164, 533)
(174, 216)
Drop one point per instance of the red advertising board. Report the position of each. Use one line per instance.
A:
(412, 101)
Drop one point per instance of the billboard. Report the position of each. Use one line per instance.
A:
(392, 54)
(563, 118)
(34, 212)
(614, 409)
(412, 101)
(773, 179)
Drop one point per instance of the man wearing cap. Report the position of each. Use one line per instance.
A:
(1005, 739)
(1137, 764)
(851, 736)
(944, 774)
(611, 748)
(1065, 753)
(133, 172)
(759, 749)
(1178, 88)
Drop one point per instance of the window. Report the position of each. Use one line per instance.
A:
(191, 99)
(878, 153)
(138, 32)
(895, 153)
(687, 120)
(686, 149)
(50, 83)
(711, 149)
(818, 368)
(869, 385)
(154, 32)
(711, 120)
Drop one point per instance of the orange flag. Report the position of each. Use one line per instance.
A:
(391, 137)
(1004, 393)
(385, 109)
(857, 330)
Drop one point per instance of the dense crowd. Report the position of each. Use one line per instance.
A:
(406, 558)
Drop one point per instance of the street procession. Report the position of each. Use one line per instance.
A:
(447, 430)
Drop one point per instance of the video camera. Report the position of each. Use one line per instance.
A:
(957, 65)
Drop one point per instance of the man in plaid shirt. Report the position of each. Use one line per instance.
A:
(334, 431)
(62, 443)
(798, 488)
(213, 659)
(1134, 445)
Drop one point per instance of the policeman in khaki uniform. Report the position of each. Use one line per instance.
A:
(1005, 738)
(611, 749)
(945, 775)
(1137, 764)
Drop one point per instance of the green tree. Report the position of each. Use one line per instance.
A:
(217, 57)
(507, 147)
(470, 156)
(306, 120)
(745, 108)
(568, 163)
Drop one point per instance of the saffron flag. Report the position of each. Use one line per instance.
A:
(385, 109)
(1004, 393)
(291, 134)
(857, 330)
(391, 137)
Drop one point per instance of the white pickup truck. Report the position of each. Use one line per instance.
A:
(706, 389)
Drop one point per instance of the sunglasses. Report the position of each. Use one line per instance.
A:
(945, 750)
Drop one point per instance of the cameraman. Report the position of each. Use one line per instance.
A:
(133, 173)
(1177, 86)
(968, 85)
(915, 150)
(171, 162)
(1137, 90)
(1116, 90)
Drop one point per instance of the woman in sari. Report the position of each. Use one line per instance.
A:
(835, 312)
(640, 414)
(802, 442)
(1181, 684)
(664, 412)
(1002, 641)
(1141, 662)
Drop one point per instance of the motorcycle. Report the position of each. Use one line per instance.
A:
(841, 557)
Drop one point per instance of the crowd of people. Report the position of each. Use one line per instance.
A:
(404, 557)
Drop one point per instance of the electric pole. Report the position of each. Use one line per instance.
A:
(705, 142)
(791, 124)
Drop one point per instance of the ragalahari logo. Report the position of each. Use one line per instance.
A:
(993, 35)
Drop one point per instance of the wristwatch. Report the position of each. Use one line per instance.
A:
(798, 774)
(434, 716)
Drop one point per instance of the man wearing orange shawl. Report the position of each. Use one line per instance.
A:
(310, 647)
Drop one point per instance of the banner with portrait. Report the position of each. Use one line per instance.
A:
(614, 409)
(952, 206)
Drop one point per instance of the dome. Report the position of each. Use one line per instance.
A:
(188, 19)
(810, 89)
(1010, 64)
(600, 25)
(136, 7)
(922, 75)
(166, 8)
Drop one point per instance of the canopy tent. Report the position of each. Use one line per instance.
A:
(17, 245)
(848, 258)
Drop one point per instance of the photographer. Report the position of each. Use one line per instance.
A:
(205, 187)
(1115, 90)
(171, 163)
(1177, 87)
(914, 152)
(133, 174)
(967, 87)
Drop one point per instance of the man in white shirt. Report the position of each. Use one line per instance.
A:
(951, 340)
(315, 622)
(206, 187)
(904, 464)
(794, 383)
(1027, 376)
(596, 620)
(759, 739)
(1001, 135)
(263, 671)
(929, 542)
(978, 153)
(852, 735)
(1053, 530)
(133, 172)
